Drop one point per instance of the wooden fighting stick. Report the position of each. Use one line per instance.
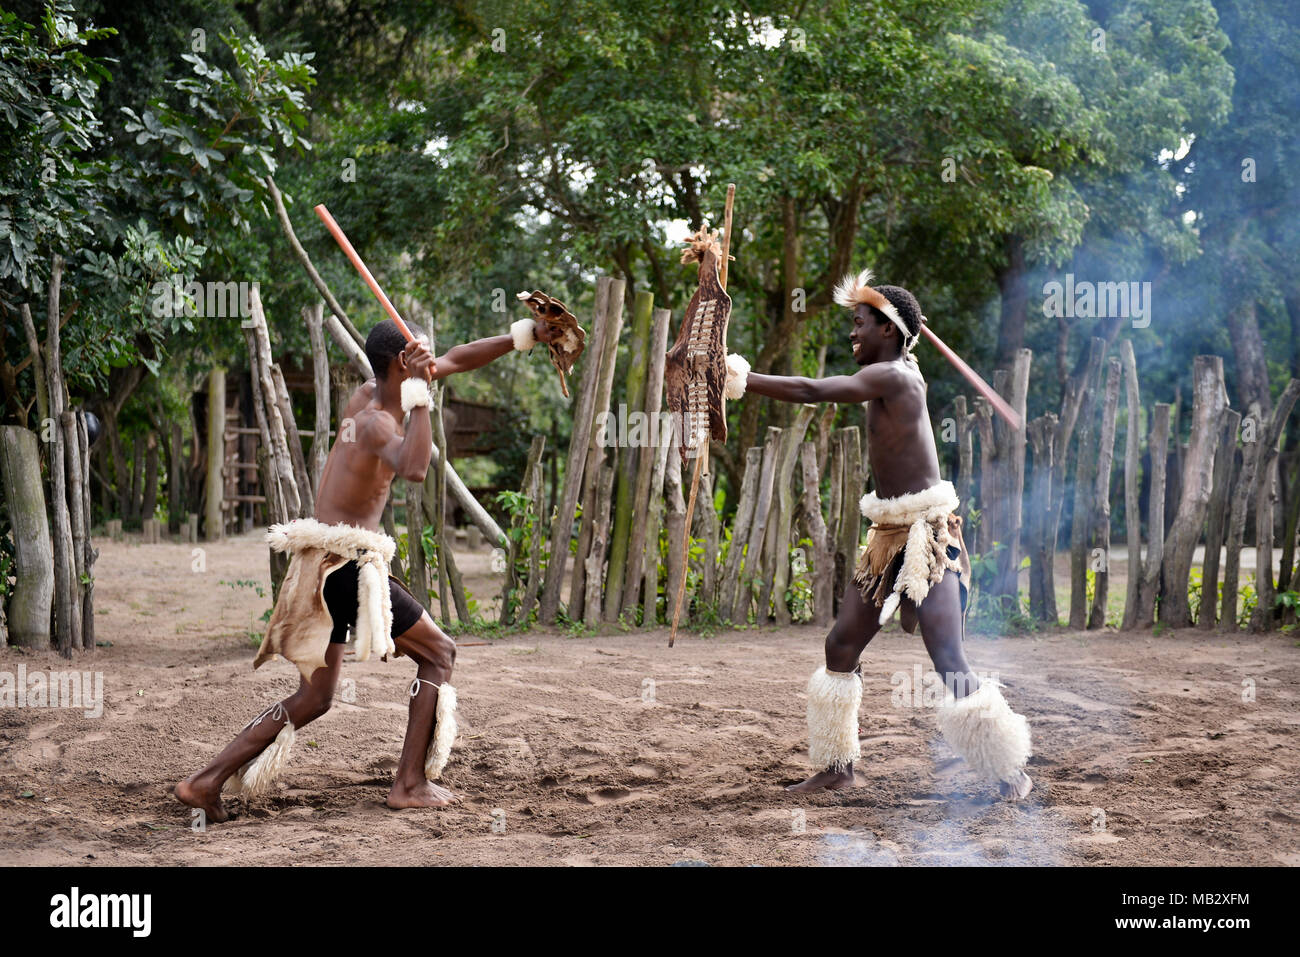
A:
(702, 457)
(983, 388)
(360, 267)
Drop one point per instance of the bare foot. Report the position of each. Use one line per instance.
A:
(828, 779)
(1016, 790)
(206, 800)
(424, 794)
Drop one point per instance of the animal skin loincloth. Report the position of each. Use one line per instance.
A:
(913, 540)
(300, 625)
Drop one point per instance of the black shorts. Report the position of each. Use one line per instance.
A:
(341, 599)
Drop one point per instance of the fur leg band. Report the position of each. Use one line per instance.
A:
(444, 729)
(983, 729)
(259, 775)
(833, 701)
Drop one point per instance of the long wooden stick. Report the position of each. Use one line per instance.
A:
(360, 267)
(983, 388)
(702, 456)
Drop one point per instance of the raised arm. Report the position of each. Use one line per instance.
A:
(407, 455)
(871, 382)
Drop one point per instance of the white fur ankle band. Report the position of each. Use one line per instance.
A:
(522, 332)
(737, 376)
(415, 394)
(833, 701)
(983, 729)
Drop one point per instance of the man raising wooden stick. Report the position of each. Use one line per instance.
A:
(914, 559)
(338, 577)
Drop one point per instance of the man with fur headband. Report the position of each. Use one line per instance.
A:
(338, 577)
(914, 561)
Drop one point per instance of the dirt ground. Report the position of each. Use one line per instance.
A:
(615, 749)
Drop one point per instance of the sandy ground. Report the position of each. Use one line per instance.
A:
(614, 749)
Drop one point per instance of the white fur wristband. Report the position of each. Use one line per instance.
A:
(522, 333)
(415, 392)
(737, 375)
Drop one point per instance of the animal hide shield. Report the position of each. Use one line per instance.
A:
(696, 368)
(564, 351)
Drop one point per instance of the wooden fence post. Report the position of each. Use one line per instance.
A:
(1101, 497)
(1158, 445)
(1265, 493)
(629, 473)
(757, 532)
(647, 463)
(740, 526)
(1225, 461)
(583, 419)
(791, 439)
(823, 551)
(1042, 593)
(1209, 401)
(1132, 463)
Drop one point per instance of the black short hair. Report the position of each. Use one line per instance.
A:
(909, 310)
(385, 343)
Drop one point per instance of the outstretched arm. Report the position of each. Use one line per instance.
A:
(871, 382)
(474, 355)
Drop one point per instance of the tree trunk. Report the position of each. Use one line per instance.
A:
(149, 500)
(91, 553)
(1249, 356)
(66, 599)
(78, 519)
(24, 499)
(176, 480)
(1014, 289)
(135, 510)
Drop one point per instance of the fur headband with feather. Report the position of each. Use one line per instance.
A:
(856, 290)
